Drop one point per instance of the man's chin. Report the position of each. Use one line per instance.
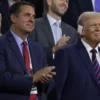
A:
(29, 31)
(61, 14)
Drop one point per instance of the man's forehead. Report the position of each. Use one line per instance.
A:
(93, 19)
(26, 7)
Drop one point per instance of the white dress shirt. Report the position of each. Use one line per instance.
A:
(89, 48)
(52, 22)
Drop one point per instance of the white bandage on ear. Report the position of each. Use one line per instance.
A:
(79, 29)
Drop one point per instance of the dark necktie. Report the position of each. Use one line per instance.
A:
(27, 62)
(96, 65)
(97, 5)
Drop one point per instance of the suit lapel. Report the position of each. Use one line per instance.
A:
(16, 50)
(86, 60)
(63, 29)
(47, 30)
(33, 55)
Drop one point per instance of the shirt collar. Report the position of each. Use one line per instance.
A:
(17, 38)
(52, 21)
(88, 47)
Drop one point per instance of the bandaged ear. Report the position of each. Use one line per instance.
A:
(79, 29)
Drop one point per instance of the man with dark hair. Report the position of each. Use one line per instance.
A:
(4, 10)
(24, 73)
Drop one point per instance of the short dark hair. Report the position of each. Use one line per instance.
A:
(15, 8)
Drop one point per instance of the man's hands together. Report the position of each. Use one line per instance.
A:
(44, 75)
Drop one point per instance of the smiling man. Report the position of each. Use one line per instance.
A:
(78, 65)
(24, 73)
(50, 31)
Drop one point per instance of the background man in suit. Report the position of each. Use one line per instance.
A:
(76, 8)
(4, 10)
(77, 78)
(22, 74)
(46, 31)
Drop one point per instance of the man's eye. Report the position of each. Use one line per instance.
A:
(27, 15)
(93, 25)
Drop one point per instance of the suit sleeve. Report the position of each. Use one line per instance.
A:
(12, 81)
(61, 64)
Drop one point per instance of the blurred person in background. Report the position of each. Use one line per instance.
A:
(4, 10)
(51, 31)
(77, 7)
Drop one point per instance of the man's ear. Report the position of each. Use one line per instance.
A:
(80, 29)
(13, 18)
(83, 32)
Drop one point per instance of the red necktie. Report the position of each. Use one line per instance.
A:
(26, 56)
(27, 62)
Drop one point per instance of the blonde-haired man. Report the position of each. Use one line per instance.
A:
(78, 65)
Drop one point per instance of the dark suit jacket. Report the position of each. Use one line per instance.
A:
(75, 79)
(15, 84)
(38, 7)
(75, 9)
(43, 34)
(5, 13)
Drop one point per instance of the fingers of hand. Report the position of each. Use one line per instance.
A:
(52, 73)
(45, 74)
(65, 39)
(52, 67)
(45, 78)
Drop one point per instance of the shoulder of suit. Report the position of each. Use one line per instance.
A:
(3, 40)
(67, 25)
(34, 42)
(38, 20)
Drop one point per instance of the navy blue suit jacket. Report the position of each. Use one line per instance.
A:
(75, 78)
(15, 84)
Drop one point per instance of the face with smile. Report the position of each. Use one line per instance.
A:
(24, 22)
(91, 30)
(58, 7)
